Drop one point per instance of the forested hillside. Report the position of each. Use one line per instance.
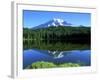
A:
(60, 33)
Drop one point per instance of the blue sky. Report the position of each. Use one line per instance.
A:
(33, 18)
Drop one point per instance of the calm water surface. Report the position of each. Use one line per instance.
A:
(57, 57)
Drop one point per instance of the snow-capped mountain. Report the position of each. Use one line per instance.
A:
(54, 22)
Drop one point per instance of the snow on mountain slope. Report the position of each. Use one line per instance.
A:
(55, 22)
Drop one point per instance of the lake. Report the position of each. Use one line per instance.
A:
(61, 46)
(74, 56)
(56, 52)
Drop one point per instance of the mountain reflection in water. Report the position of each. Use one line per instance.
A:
(56, 52)
(57, 57)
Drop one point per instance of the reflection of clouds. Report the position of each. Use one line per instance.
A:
(56, 54)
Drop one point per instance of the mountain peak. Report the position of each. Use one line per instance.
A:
(55, 22)
(58, 19)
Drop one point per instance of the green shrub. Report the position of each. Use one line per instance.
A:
(42, 64)
(69, 65)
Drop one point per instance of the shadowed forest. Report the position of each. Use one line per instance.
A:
(53, 35)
